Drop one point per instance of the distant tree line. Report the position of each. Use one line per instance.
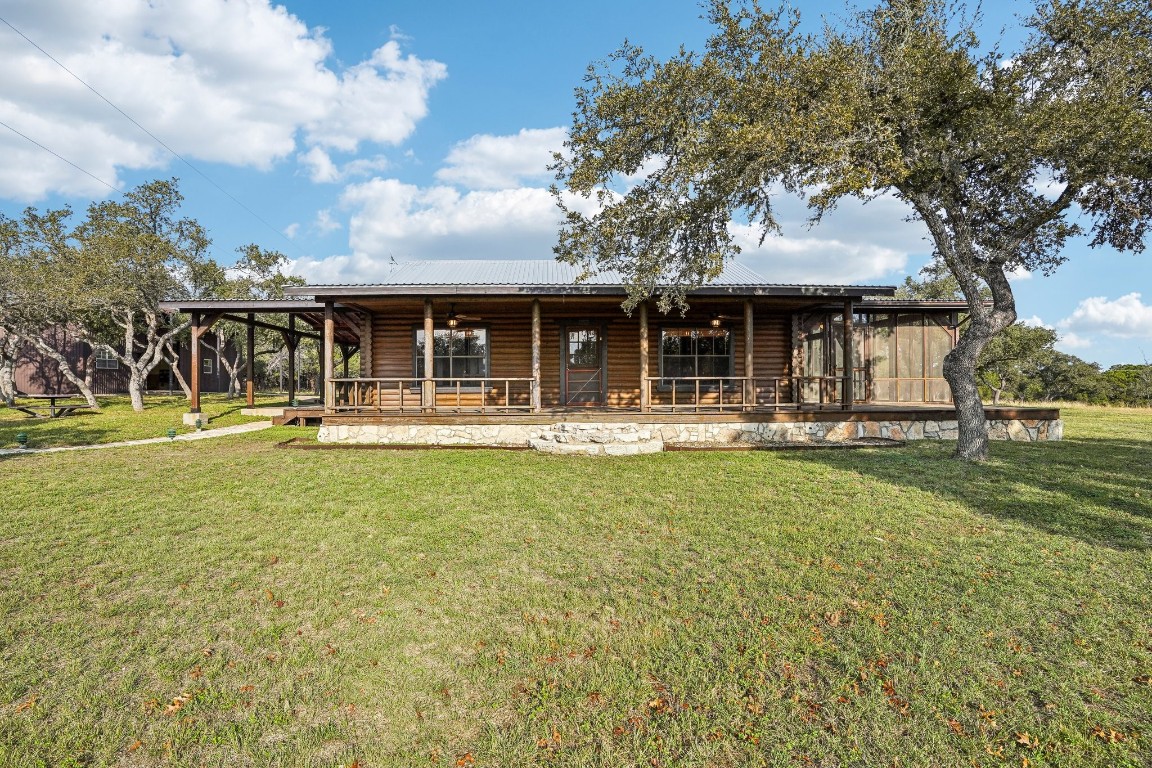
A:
(1022, 363)
(102, 278)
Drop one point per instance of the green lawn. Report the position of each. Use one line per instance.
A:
(117, 421)
(230, 603)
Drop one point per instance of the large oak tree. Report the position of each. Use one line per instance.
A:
(1003, 155)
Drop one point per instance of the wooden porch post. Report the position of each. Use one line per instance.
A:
(196, 334)
(849, 373)
(329, 344)
(749, 373)
(290, 341)
(366, 347)
(645, 406)
(250, 369)
(427, 386)
(536, 355)
(345, 353)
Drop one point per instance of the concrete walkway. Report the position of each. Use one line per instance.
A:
(254, 426)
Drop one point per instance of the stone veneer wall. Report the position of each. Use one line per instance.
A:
(631, 438)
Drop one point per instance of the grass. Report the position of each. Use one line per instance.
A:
(117, 421)
(231, 603)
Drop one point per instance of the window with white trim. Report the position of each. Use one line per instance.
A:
(106, 359)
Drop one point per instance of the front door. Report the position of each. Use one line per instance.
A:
(583, 365)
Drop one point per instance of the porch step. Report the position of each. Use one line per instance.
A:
(572, 439)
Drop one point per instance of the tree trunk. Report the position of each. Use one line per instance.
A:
(7, 381)
(174, 363)
(65, 369)
(136, 384)
(9, 349)
(960, 364)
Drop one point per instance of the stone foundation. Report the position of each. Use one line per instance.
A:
(627, 438)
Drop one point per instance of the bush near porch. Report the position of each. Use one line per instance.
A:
(231, 603)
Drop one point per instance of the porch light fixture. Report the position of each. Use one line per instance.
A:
(452, 321)
(715, 322)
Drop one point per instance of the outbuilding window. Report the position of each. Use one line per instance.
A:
(106, 359)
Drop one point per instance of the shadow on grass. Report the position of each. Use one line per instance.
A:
(1095, 490)
(76, 429)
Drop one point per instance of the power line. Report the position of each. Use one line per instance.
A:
(151, 135)
(61, 157)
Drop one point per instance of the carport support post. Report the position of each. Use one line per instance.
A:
(536, 355)
(329, 349)
(250, 372)
(290, 342)
(196, 333)
(428, 386)
(849, 373)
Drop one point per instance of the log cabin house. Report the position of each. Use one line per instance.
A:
(522, 353)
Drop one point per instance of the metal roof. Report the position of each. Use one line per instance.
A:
(546, 276)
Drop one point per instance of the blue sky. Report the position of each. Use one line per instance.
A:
(358, 132)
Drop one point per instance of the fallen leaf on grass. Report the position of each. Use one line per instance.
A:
(177, 703)
(1108, 735)
(135, 745)
(465, 759)
(1143, 680)
(31, 702)
(1024, 739)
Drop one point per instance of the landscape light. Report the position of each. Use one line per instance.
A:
(171, 433)
(22, 439)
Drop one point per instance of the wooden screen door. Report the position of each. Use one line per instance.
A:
(583, 365)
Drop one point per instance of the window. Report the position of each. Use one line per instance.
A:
(690, 352)
(457, 353)
(106, 359)
(207, 366)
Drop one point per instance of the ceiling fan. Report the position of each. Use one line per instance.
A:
(454, 319)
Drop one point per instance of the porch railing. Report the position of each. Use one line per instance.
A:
(743, 393)
(440, 395)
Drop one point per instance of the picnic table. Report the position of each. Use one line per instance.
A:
(55, 408)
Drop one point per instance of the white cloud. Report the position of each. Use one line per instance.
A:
(325, 223)
(319, 165)
(490, 204)
(783, 259)
(291, 230)
(499, 162)
(1126, 317)
(1073, 341)
(1018, 274)
(243, 82)
(1034, 322)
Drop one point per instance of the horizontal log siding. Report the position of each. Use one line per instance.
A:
(772, 351)
(509, 326)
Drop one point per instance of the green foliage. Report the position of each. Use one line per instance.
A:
(1006, 363)
(991, 150)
